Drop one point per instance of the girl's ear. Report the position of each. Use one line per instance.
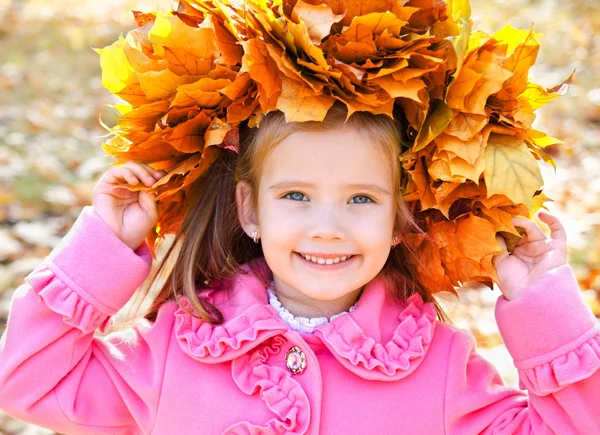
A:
(245, 207)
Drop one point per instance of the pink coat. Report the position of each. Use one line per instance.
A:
(382, 369)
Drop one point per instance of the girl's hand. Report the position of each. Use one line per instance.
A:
(130, 215)
(534, 255)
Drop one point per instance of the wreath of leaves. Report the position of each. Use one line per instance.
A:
(189, 77)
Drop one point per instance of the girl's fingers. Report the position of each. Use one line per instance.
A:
(556, 227)
(121, 173)
(154, 172)
(534, 232)
(142, 172)
(148, 203)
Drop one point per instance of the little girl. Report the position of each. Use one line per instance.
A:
(320, 331)
(293, 301)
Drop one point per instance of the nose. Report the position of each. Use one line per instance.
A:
(326, 224)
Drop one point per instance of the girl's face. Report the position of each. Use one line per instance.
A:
(328, 195)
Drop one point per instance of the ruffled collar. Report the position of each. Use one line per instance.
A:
(306, 325)
(377, 340)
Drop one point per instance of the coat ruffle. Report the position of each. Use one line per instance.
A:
(210, 343)
(282, 395)
(358, 352)
(62, 299)
(391, 361)
(568, 368)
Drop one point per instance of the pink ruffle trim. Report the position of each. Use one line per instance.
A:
(580, 363)
(282, 394)
(217, 343)
(60, 298)
(398, 357)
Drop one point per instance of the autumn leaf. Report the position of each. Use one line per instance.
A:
(203, 93)
(118, 76)
(298, 108)
(263, 70)
(318, 19)
(466, 125)
(434, 125)
(511, 169)
(186, 50)
(536, 96)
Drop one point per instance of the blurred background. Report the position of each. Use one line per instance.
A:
(51, 100)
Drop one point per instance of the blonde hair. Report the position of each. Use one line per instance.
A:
(210, 245)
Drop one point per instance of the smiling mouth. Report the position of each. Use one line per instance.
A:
(321, 260)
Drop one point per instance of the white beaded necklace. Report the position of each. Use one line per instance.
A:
(301, 324)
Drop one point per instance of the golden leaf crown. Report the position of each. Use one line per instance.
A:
(191, 76)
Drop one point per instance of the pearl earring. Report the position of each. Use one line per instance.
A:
(394, 241)
(255, 236)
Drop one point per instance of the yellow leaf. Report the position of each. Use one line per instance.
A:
(476, 40)
(434, 125)
(501, 220)
(203, 93)
(150, 151)
(302, 41)
(536, 96)
(409, 89)
(318, 19)
(231, 52)
(422, 180)
(464, 84)
(539, 201)
(515, 39)
(216, 132)
(466, 125)
(399, 65)
(353, 8)
(262, 68)
(541, 139)
(544, 156)
(118, 76)
(511, 169)
(300, 109)
(440, 170)
(493, 76)
(143, 118)
(376, 22)
(158, 85)
(523, 48)
(238, 87)
(378, 108)
(461, 15)
(187, 50)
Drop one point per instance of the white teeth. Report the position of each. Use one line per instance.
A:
(325, 261)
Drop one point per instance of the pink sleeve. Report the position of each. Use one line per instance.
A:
(53, 371)
(554, 340)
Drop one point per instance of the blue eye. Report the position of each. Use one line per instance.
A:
(365, 200)
(298, 196)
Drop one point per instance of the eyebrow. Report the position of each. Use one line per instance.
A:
(357, 186)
